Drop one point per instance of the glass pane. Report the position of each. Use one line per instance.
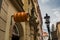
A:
(15, 29)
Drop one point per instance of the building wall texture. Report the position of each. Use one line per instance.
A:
(26, 31)
(58, 30)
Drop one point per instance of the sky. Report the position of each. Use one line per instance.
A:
(52, 8)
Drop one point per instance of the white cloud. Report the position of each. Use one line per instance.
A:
(56, 9)
(57, 13)
(44, 1)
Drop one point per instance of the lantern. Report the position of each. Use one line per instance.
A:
(20, 17)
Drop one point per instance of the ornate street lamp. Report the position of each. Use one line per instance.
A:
(47, 22)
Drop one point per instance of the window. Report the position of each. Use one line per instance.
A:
(0, 4)
(15, 30)
(15, 34)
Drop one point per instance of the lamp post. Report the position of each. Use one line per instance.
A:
(47, 22)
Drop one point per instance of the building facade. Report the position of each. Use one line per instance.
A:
(28, 30)
(54, 33)
(58, 30)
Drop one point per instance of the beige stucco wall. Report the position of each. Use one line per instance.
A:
(3, 18)
(10, 11)
(25, 7)
(7, 11)
(38, 20)
(58, 30)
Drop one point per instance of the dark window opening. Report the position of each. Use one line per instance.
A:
(14, 37)
(15, 34)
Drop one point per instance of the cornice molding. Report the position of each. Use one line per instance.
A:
(18, 5)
